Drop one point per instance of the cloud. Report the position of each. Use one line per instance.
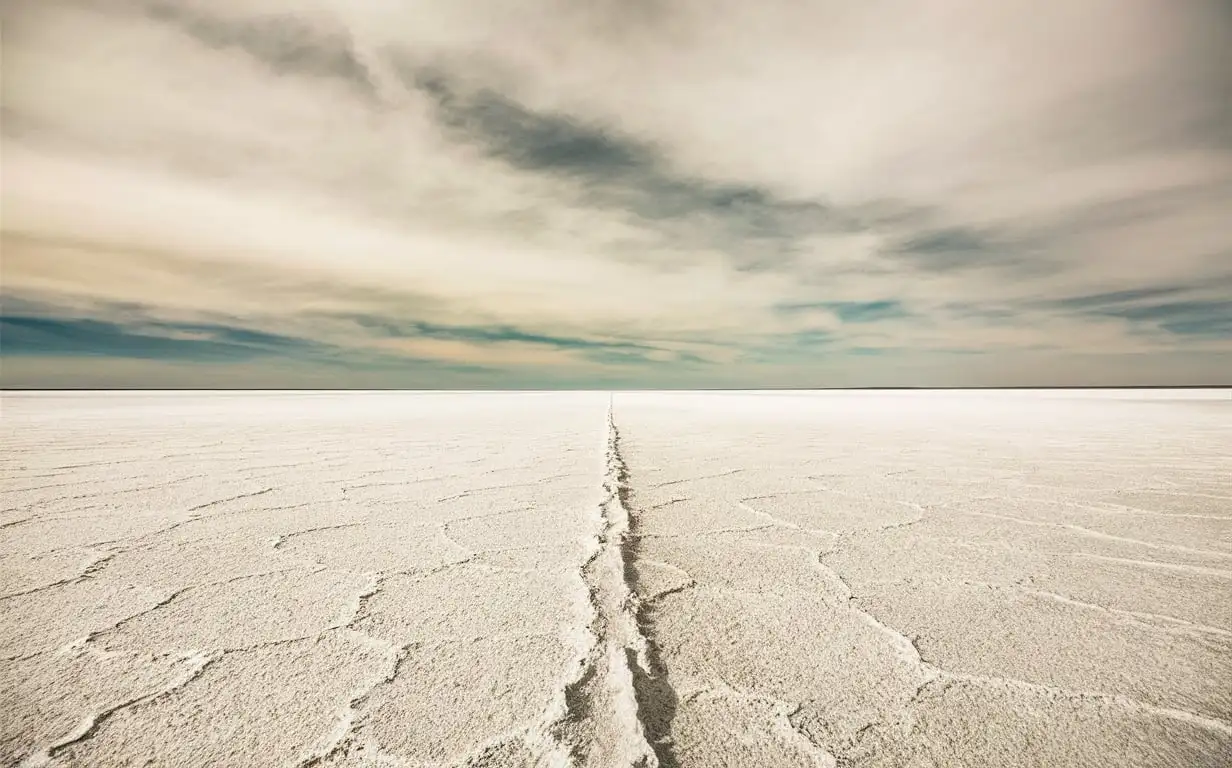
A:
(54, 336)
(647, 193)
(1186, 318)
(849, 311)
(46, 332)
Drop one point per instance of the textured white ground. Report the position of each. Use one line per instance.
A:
(700, 579)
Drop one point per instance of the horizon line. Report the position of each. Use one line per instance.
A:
(4, 389)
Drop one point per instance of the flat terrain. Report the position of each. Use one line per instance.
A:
(676, 579)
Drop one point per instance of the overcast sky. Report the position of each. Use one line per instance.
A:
(614, 193)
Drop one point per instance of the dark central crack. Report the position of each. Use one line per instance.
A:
(656, 699)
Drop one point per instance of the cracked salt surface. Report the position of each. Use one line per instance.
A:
(650, 579)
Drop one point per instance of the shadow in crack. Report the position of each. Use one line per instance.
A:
(656, 699)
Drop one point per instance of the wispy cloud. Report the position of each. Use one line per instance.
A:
(563, 194)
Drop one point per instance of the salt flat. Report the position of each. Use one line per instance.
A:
(693, 579)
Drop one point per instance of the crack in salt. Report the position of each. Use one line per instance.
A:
(910, 652)
(197, 662)
(597, 715)
(90, 571)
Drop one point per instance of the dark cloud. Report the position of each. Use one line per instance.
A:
(284, 43)
(531, 140)
(1186, 318)
(32, 328)
(31, 335)
(1177, 309)
(751, 223)
(482, 334)
(1214, 326)
(948, 249)
(1026, 250)
(596, 350)
(1131, 207)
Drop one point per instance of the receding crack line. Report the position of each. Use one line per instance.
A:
(216, 502)
(89, 572)
(784, 714)
(682, 480)
(396, 483)
(354, 610)
(487, 515)
(652, 598)
(503, 487)
(197, 663)
(1145, 619)
(1161, 565)
(280, 541)
(1125, 702)
(657, 700)
(444, 531)
(903, 645)
(348, 719)
(774, 521)
(1082, 531)
(699, 534)
(599, 715)
(665, 504)
(19, 521)
(909, 652)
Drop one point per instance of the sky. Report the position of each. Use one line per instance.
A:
(615, 193)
